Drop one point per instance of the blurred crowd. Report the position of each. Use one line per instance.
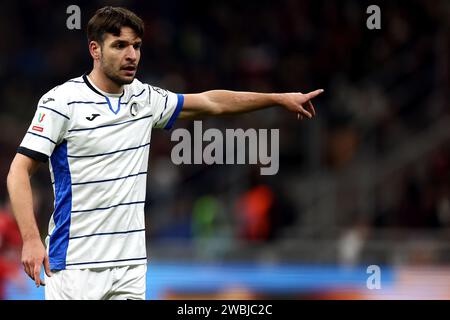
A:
(382, 87)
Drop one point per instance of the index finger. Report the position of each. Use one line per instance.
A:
(314, 94)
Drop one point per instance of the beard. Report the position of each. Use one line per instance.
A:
(114, 75)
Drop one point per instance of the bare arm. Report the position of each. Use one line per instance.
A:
(219, 102)
(19, 188)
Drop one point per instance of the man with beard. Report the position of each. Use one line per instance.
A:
(95, 130)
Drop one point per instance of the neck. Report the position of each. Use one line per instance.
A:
(102, 82)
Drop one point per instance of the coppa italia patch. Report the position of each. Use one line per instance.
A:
(40, 119)
(37, 128)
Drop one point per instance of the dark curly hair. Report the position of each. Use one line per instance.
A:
(111, 20)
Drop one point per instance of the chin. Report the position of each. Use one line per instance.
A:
(128, 80)
(123, 80)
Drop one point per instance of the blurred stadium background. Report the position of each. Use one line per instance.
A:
(366, 183)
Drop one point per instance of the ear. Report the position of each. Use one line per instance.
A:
(95, 50)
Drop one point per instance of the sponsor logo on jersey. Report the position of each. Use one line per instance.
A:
(93, 116)
(48, 100)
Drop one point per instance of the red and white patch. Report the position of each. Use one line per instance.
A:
(37, 128)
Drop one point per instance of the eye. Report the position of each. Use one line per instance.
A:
(137, 45)
(119, 45)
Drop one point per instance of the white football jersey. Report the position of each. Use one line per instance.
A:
(98, 147)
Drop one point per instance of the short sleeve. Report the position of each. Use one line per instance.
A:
(47, 129)
(166, 106)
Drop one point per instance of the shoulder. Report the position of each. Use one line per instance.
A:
(137, 87)
(150, 88)
(57, 97)
(64, 90)
(138, 90)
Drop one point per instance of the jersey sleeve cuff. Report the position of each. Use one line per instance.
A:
(175, 114)
(32, 154)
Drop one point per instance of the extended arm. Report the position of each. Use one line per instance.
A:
(220, 102)
(19, 188)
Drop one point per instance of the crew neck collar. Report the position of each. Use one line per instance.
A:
(94, 88)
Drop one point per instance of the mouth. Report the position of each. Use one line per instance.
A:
(129, 70)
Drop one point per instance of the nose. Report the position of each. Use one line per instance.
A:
(131, 54)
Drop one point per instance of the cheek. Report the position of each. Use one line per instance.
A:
(111, 60)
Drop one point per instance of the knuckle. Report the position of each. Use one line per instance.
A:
(38, 260)
(28, 263)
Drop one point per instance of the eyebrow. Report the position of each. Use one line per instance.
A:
(118, 41)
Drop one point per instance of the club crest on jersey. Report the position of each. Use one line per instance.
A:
(134, 109)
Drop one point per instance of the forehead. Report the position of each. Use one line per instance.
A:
(126, 34)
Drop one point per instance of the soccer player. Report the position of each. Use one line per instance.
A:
(95, 132)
